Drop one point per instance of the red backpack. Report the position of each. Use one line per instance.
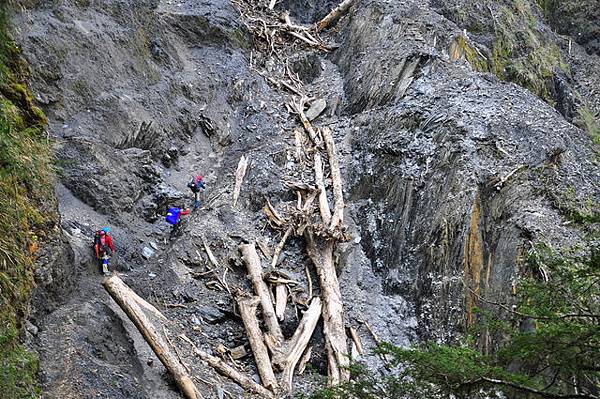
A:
(100, 240)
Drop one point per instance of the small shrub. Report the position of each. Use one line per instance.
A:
(460, 48)
(521, 54)
(589, 121)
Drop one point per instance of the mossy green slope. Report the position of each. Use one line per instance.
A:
(521, 52)
(25, 186)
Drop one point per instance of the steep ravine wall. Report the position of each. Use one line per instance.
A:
(428, 155)
(141, 93)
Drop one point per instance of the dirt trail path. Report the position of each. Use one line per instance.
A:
(85, 349)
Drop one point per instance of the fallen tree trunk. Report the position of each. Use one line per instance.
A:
(299, 342)
(304, 359)
(254, 267)
(319, 181)
(280, 246)
(281, 295)
(321, 255)
(337, 220)
(356, 340)
(239, 178)
(299, 108)
(259, 349)
(130, 303)
(334, 14)
(244, 381)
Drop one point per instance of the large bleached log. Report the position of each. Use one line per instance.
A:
(319, 181)
(337, 220)
(321, 254)
(299, 341)
(259, 349)
(239, 178)
(304, 360)
(130, 303)
(250, 257)
(334, 14)
(243, 380)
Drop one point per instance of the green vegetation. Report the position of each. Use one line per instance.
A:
(549, 346)
(521, 54)
(18, 368)
(460, 48)
(584, 211)
(589, 121)
(25, 186)
(547, 7)
(520, 51)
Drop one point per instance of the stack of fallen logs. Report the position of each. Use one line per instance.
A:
(312, 218)
(272, 352)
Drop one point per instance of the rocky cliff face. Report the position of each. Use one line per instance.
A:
(450, 171)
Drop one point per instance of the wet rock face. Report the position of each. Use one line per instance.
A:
(144, 97)
(55, 275)
(95, 353)
(526, 32)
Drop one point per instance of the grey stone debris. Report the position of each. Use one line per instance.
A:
(316, 108)
(31, 328)
(211, 314)
(147, 252)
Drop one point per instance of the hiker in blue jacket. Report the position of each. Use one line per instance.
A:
(173, 217)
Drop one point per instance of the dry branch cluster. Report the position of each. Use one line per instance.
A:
(274, 30)
(276, 37)
(311, 217)
(321, 228)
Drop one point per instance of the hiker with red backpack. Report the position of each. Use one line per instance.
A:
(173, 217)
(104, 248)
(197, 186)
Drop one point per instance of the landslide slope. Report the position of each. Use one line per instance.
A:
(140, 94)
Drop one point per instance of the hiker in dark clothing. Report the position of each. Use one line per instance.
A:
(197, 186)
(104, 248)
